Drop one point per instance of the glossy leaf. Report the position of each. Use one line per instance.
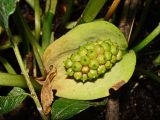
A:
(63, 109)
(14, 98)
(7, 7)
(91, 10)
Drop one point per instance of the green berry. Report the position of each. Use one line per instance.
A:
(108, 55)
(84, 77)
(92, 74)
(93, 64)
(114, 49)
(68, 63)
(108, 65)
(89, 46)
(113, 59)
(91, 54)
(119, 55)
(70, 72)
(82, 51)
(101, 69)
(101, 59)
(77, 75)
(106, 46)
(85, 69)
(99, 49)
(84, 60)
(76, 66)
(99, 42)
(75, 57)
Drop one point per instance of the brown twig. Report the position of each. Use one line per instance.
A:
(112, 9)
(112, 109)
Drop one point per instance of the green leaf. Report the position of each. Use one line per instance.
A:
(69, 43)
(63, 109)
(7, 7)
(14, 98)
(92, 9)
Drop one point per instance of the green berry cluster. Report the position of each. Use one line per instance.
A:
(92, 60)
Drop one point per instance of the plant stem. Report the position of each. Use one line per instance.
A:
(7, 66)
(37, 19)
(27, 34)
(112, 9)
(14, 80)
(149, 74)
(142, 19)
(148, 39)
(28, 81)
(47, 23)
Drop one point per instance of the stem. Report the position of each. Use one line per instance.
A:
(142, 19)
(14, 80)
(112, 109)
(148, 74)
(27, 34)
(7, 66)
(37, 19)
(148, 39)
(28, 81)
(112, 9)
(47, 23)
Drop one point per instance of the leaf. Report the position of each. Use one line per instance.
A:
(69, 43)
(12, 100)
(91, 10)
(46, 92)
(7, 7)
(63, 109)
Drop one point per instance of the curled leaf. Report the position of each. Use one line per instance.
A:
(62, 48)
(47, 92)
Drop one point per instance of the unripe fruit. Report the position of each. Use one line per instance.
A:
(108, 65)
(76, 66)
(75, 57)
(68, 63)
(70, 72)
(92, 74)
(91, 54)
(84, 77)
(113, 59)
(84, 60)
(93, 64)
(85, 69)
(114, 49)
(101, 59)
(92, 60)
(108, 55)
(119, 55)
(77, 75)
(82, 51)
(99, 49)
(106, 46)
(101, 69)
(89, 46)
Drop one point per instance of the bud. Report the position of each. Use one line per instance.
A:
(76, 66)
(77, 75)
(68, 63)
(92, 74)
(101, 69)
(93, 64)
